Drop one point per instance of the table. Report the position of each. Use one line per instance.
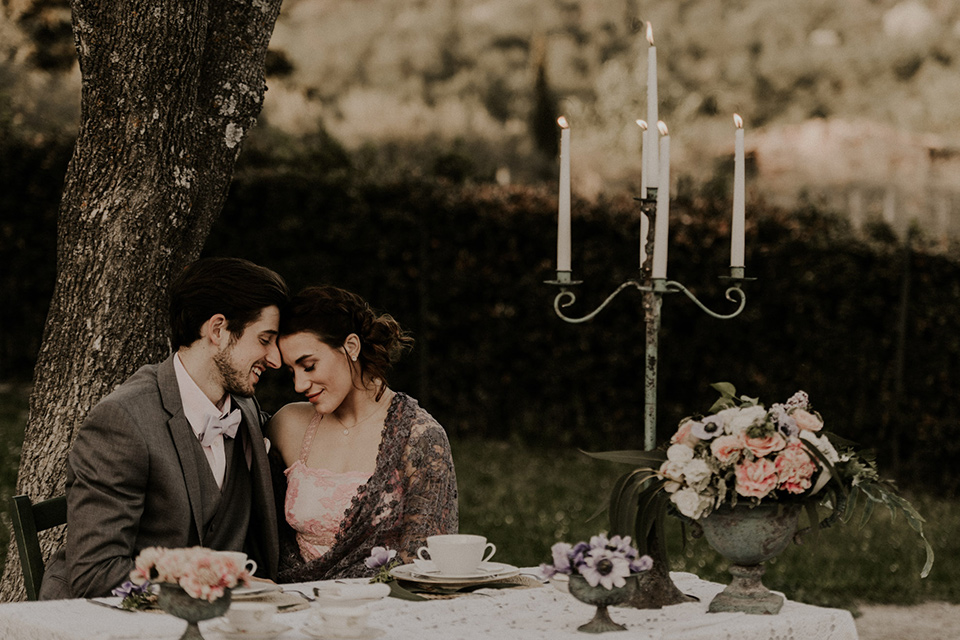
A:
(540, 613)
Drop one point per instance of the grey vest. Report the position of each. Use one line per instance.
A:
(226, 510)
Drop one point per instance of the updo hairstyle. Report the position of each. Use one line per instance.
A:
(331, 314)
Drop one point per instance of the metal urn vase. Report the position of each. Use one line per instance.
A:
(177, 602)
(747, 536)
(602, 598)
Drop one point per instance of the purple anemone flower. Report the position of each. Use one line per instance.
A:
(707, 429)
(605, 568)
(643, 563)
(786, 424)
(379, 557)
(131, 588)
(561, 557)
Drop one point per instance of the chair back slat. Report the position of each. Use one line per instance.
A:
(28, 520)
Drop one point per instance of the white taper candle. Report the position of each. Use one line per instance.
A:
(739, 206)
(660, 239)
(563, 218)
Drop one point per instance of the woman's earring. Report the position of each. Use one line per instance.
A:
(354, 358)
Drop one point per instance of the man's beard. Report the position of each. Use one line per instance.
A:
(235, 382)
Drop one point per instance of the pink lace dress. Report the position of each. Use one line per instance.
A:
(317, 499)
(411, 495)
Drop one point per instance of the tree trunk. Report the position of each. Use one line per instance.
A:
(169, 92)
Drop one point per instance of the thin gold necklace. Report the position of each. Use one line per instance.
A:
(346, 430)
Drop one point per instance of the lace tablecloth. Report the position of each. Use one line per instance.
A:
(509, 614)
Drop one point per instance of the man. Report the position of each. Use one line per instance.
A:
(175, 456)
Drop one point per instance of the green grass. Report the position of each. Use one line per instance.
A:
(524, 499)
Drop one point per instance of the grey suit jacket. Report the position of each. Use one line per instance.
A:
(133, 482)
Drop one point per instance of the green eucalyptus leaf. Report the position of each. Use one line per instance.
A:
(396, 591)
(725, 389)
(646, 459)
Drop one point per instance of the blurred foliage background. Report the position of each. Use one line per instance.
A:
(867, 325)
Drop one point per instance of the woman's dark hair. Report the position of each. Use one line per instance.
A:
(237, 288)
(332, 314)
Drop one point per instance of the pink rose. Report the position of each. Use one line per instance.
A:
(756, 479)
(795, 469)
(806, 420)
(727, 449)
(765, 445)
(683, 435)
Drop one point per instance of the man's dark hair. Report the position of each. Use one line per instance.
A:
(237, 288)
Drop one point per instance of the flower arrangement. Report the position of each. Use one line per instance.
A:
(603, 561)
(202, 573)
(743, 452)
(136, 596)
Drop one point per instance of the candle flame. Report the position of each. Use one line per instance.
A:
(650, 33)
(662, 126)
(738, 121)
(563, 123)
(643, 124)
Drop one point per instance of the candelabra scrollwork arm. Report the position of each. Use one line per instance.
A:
(566, 298)
(733, 294)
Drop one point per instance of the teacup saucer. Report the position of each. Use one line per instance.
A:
(426, 572)
(266, 633)
(325, 634)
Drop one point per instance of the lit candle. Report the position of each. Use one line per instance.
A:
(644, 152)
(736, 228)
(652, 114)
(563, 220)
(663, 206)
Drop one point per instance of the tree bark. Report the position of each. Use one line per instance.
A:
(169, 92)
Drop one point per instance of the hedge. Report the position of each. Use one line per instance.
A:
(868, 327)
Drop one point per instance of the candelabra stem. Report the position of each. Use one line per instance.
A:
(652, 301)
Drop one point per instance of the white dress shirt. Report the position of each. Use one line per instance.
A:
(197, 407)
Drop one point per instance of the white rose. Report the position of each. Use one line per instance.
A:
(687, 502)
(822, 444)
(679, 453)
(696, 471)
(671, 486)
(672, 470)
(745, 418)
(690, 503)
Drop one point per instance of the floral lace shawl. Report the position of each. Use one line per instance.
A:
(412, 494)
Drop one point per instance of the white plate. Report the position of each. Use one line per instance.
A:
(487, 572)
(322, 634)
(224, 629)
(255, 589)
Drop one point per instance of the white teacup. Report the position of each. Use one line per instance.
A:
(249, 617)
(342, 622)
(241, 559)
(457, 554)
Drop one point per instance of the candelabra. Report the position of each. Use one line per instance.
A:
(655, 588)
(653, 290)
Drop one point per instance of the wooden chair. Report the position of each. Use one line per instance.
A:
(28, 520)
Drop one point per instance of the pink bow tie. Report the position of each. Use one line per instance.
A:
(226, 425)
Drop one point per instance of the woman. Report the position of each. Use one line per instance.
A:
(364, 466)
